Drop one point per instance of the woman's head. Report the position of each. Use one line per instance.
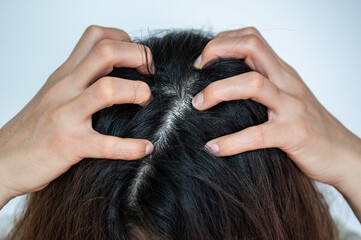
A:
(180, 191)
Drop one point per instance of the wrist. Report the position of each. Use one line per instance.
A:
(349, 183)
(5, 196)
(350, 187)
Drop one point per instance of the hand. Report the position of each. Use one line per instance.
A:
(298, 124)
(54, 130)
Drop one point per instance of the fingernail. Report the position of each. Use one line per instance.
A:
(149, 149)
(198, 61)
(198, 100)
(150, 99)
(212, 148)
(152, 69)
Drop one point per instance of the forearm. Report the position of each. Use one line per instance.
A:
(4, 197)
(354, 200)
(350, 186)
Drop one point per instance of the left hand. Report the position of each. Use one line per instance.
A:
(297, 123)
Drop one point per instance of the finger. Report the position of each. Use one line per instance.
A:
(92, 35)
(108, 91)
(248, 47)
(246, 31)
(250, 85)
(108, 54)
(264, 135)
(254, 31)
(110, 147)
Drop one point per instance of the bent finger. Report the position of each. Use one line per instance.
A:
(256, 137)
(110, 147)
(92, 35)
(108, 54)
(250, 85)
(108, 91)
(254, 31)
(248, 47)
(246, 31)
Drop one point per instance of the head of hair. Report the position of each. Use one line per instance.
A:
(180, 191)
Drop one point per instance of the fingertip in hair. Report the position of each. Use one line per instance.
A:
(197, 62)
(149, 149)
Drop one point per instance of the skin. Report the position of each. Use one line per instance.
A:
(58, 131)
(54, 130)
(298, 124)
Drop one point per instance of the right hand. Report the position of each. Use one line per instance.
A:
(54, 130)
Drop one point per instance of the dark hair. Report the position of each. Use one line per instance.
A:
(180, 191)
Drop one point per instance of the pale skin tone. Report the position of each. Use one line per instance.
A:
(54, 131)
(298, 124)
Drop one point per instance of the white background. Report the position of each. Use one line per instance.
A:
(320, 39)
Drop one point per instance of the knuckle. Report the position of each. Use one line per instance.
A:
(277, 92)
(143, 90)
(251, 30)
(50, 92)
(104, 90)
(230, 33)
(212, 45)
(252, 42)
(94, 32)
(214, 91)
(257, 82)
(105, 49)
(221, 35)
(106, 149)
(125, 35)
(258, 136)
(302, 89)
